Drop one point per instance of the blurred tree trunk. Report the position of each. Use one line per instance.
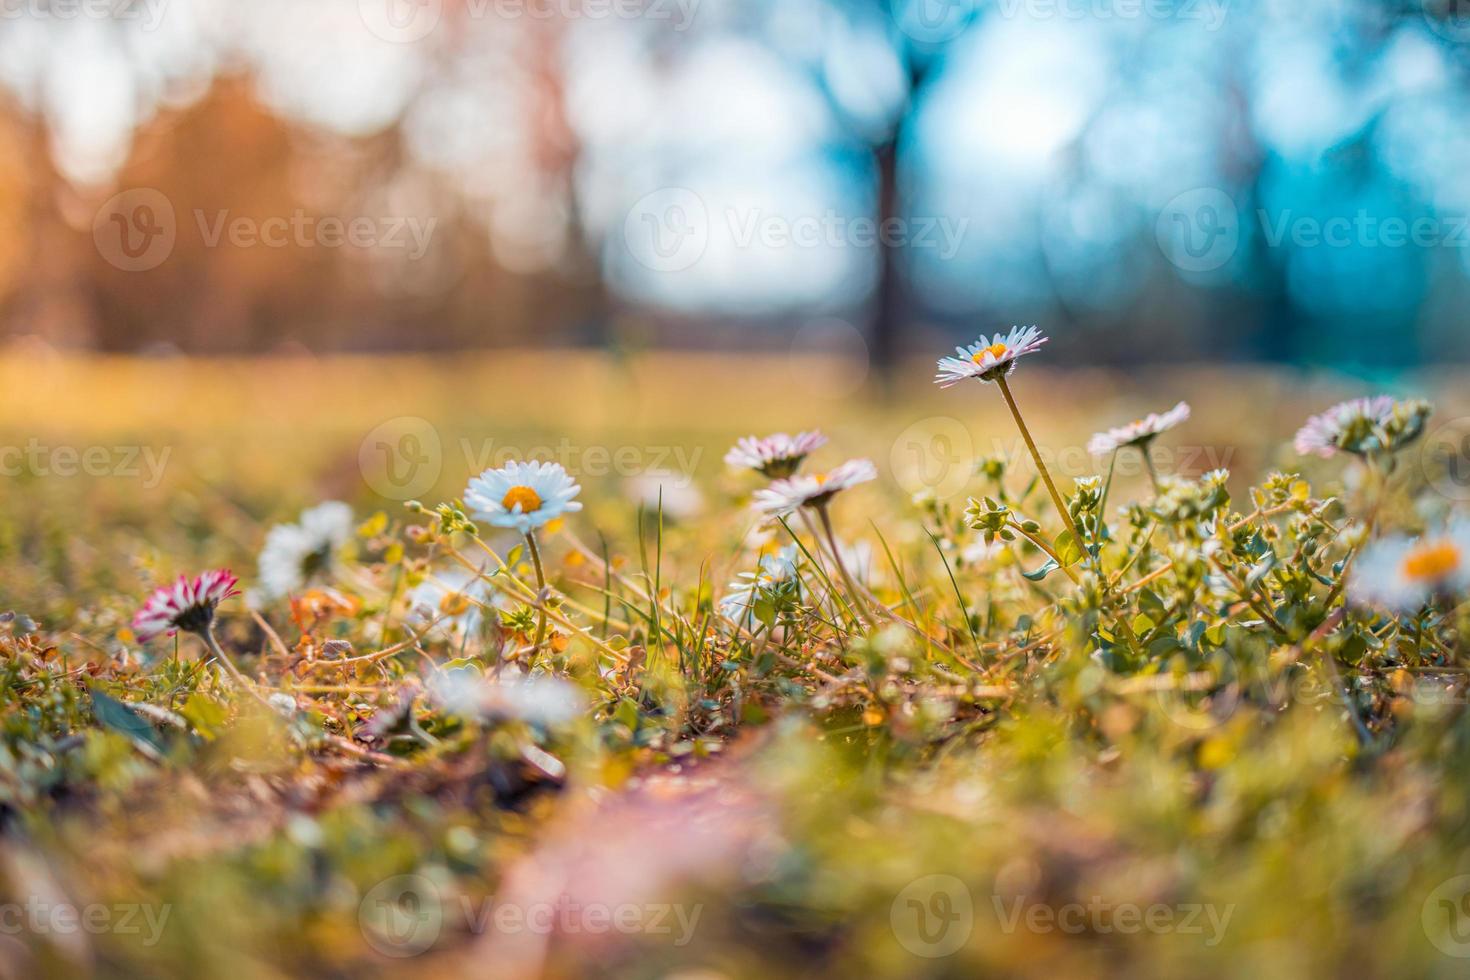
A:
(888, 301)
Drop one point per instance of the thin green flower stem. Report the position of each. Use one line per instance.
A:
(527, 595)
(1046, 549)
(1051, 488)
(1061, 506)
(535, 601)
(1168, 566)
(1371, 525)
(1153, 473)
(1248, 596)
(1327, 626)
(229, 665)
(847, 579)
(822, 573)
(540, 592)
(1102, 506)
(964, 609)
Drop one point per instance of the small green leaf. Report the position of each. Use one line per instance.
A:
(205, 714)
(1069, 549)
(1042, 572)
(112, 713)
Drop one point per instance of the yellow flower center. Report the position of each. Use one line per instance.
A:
(994, 350)
(1433, 561)
(455, 604)
(528, 499)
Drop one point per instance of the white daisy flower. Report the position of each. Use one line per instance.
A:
(1402, 574)
(455, 597)
(777, 456)
(677, 495)
(989, 357)
(187, 605)
(1139, 432)
(784, 496)
(771, 570)
(309, 550)
(522, 495)
(539, 699)
(1363, 426)
(978, 551)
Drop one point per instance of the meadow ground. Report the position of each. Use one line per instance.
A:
(1160, 743)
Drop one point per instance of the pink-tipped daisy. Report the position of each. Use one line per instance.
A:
(1138, 433)
(1363, 426)
(187, 605)
(776, 456)
(989, 358)
(784, 496)
(522, 495)
(1402, 574)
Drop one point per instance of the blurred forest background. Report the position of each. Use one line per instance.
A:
(1178, 180)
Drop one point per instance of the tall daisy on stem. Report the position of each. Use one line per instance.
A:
(189, 605)
(524, 496)
(1140, 434)
(776, 456)
(992, 359)
(815, 492)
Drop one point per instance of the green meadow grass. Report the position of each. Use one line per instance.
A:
(1163, 753)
